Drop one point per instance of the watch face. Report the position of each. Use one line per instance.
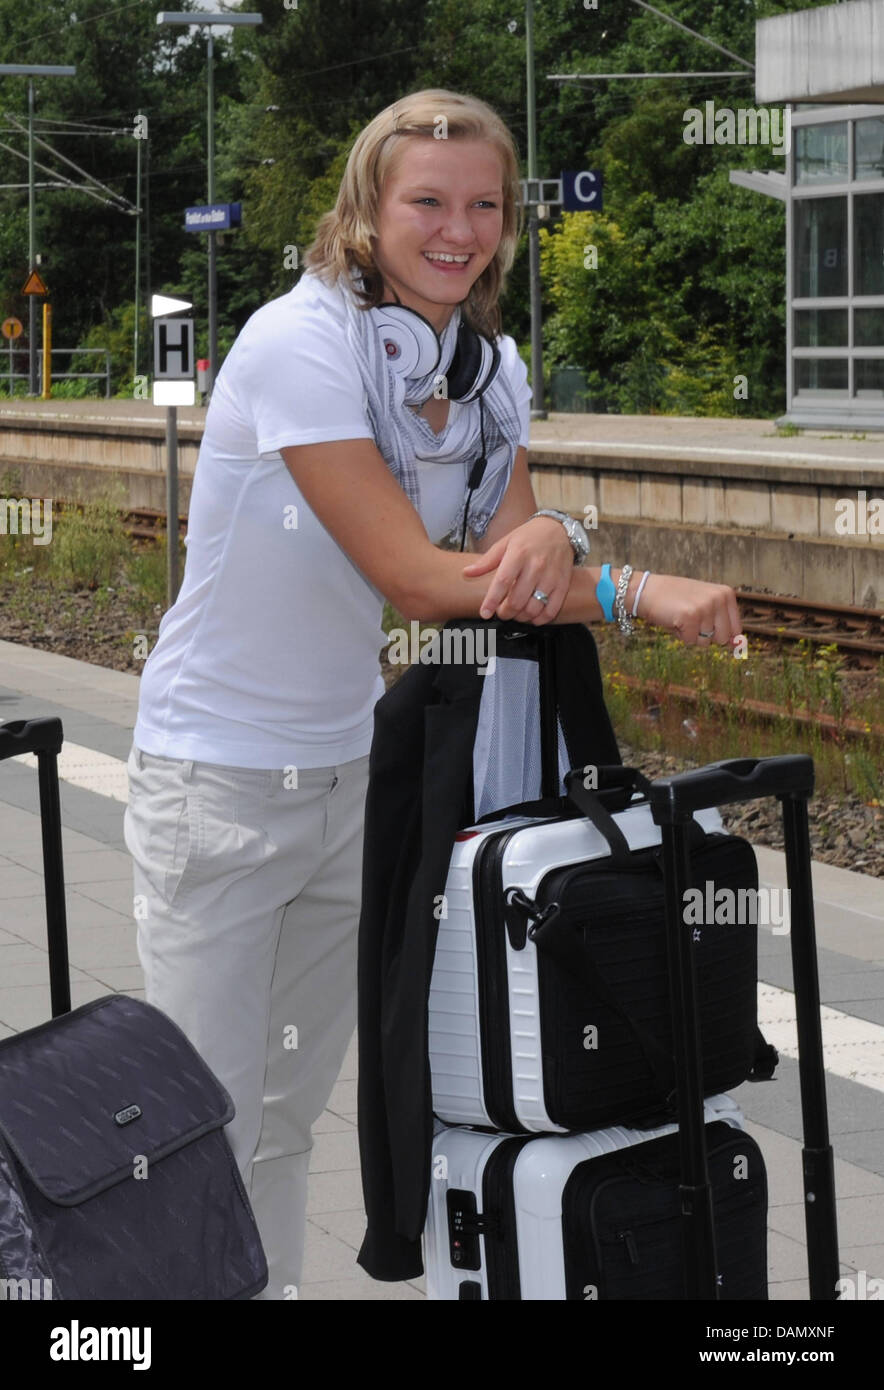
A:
(578, 539)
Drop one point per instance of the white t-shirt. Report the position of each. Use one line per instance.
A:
(270, 656)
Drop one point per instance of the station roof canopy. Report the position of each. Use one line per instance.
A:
(831, 54)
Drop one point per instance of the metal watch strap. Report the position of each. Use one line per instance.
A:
(571, 530)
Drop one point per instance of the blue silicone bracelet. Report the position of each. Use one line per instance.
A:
(606, 593)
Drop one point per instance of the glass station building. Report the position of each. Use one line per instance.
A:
(828, 64)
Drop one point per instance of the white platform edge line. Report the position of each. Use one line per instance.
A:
(88, 769)
(853, 1048)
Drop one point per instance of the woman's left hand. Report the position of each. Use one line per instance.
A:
(536, 555)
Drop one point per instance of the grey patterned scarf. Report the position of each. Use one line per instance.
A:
(400, 433)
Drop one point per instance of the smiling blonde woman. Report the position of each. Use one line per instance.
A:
(333, 464)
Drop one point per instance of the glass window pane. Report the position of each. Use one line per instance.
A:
(869, 377)
(821, 153)
(868, 215)
(821, 374)
(821, 328)
(821, 247)
(868, 328)
(869, 146)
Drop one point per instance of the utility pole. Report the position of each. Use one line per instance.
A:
(213, 246)
(32, 249)
(32, 70)
(538, 411)
(148, 289)
(208, 21)
(137, 252)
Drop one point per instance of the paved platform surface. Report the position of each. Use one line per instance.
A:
(98, 710)
(710, 440)
(731, 440)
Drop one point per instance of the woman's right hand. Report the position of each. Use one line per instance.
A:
(689, 608)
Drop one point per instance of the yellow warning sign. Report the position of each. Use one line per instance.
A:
(11, 328)
(34, 285)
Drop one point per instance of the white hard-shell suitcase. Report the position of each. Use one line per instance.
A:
(500, 1221)
(486, 1040)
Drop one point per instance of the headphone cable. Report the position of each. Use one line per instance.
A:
(477, 470)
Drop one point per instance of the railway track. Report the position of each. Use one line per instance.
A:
(144, 524)
(857, 632)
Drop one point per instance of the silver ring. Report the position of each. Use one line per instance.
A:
(539, 594)
(706, 634)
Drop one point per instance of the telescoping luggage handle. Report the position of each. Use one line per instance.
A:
(44, 737)
(721, 784)
(673, 800)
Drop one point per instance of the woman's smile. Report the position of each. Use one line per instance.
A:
(444, 258)
(447, 192)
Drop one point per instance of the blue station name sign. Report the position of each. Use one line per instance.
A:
(216, 217)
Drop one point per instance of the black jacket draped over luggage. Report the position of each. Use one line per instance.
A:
(420, 794)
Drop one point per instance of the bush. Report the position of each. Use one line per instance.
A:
(146, 569)
(89, 545)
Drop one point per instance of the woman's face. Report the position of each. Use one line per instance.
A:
(440, 196)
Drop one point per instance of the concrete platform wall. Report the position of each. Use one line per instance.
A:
(764, 523)
(749, 525)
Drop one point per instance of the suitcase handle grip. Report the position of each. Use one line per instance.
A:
(721, 784)
(30, 736)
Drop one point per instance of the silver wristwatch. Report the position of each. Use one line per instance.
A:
(576, 533)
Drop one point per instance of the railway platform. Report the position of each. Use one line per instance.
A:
(98, 707)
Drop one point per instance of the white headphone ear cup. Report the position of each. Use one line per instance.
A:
(409, 341)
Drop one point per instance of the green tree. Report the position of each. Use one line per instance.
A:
(689, 290)
(125, 63)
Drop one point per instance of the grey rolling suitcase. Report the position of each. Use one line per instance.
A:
(116, 1178)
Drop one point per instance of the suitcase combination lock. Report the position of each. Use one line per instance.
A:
(465, 1226)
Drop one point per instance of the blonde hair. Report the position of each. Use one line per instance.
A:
(343, 235)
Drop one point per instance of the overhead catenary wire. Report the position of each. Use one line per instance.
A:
(711, 43)
(69, 183)
(117, 197)
(90, 19)
(613, 76)
(68, 127)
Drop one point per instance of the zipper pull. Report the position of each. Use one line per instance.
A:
(631, 1247)
(518, 911)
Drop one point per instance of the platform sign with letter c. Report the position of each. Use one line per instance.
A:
(582, 190)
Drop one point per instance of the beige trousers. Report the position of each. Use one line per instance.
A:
(247, 896)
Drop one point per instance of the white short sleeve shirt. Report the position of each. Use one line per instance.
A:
(270, 656)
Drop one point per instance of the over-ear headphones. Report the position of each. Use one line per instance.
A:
(414, 349)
